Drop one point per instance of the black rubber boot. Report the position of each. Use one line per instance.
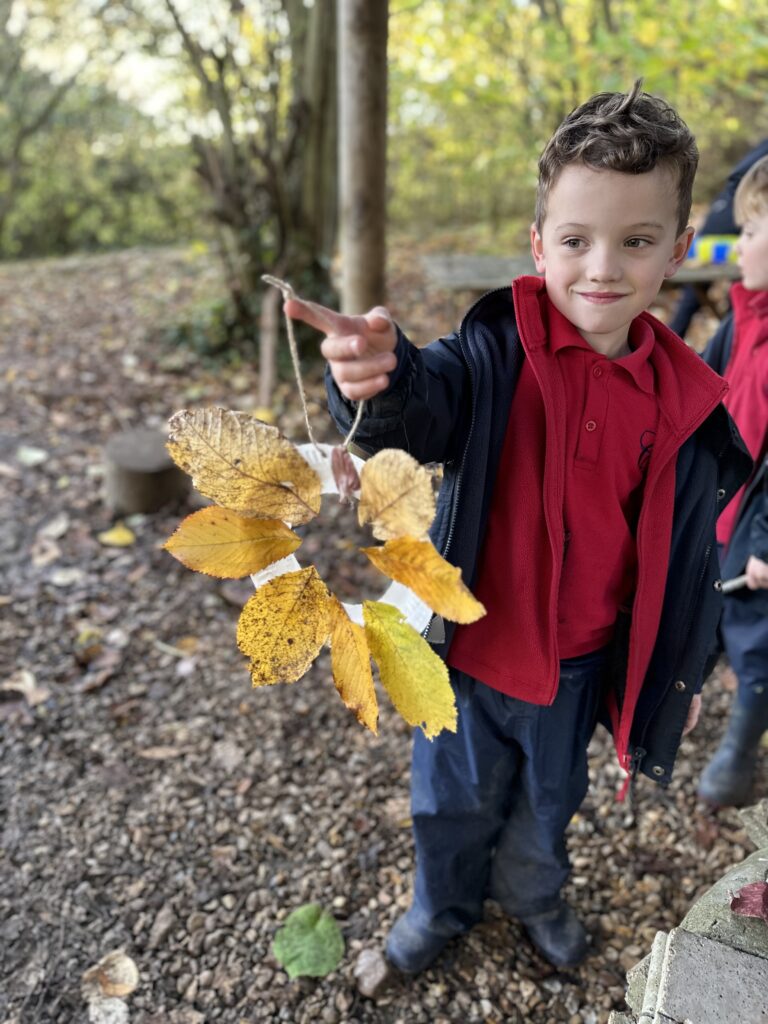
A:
(559, 935)
(728, 778)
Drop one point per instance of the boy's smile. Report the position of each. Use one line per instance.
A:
(608, 241)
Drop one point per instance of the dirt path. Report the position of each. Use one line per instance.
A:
(153, 801)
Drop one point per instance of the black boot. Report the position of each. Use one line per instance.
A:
(559, 935)
(727, 779)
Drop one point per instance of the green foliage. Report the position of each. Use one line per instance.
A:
(477, 86)
(310, 943)
(100, 176)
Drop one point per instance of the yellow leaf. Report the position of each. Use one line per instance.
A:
(118, 537)
(284, 625)
(351, 666)
(244, 465)
(396, 496)
(418, 565)
(223, 543)
(410, 671)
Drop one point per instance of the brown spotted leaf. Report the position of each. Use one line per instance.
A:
(244, 465)
(226, 544)
(415, 678)
(351, 666)
(417, 564)
(344, 473)
(396, 496)
(284, 625)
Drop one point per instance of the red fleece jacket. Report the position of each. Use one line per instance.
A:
(687, 392)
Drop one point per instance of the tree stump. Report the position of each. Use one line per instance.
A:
(140, 475)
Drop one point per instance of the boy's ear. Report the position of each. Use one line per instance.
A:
(679, 252)
(537, 249)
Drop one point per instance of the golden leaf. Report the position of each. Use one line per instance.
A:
(418, 565)
(119, 536)
(284, 625)
(244, 465)
(396, 496)
(351, 666)
(415, 678)
(223, 543)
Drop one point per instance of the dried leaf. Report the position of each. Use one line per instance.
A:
(351, 666)
(162, 753)
(244, 465)
(418, 565)
(115, 975)
(310, 943)
(228, 545)
(23, 684)
(344, 473)
(415, 678)
(118, 537)
(751, 901)
(396, 496)
(284, 625)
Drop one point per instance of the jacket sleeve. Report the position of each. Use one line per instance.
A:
(718, 350)
(423, 411)
(758, 534)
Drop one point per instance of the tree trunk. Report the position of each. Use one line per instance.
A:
(362, 152)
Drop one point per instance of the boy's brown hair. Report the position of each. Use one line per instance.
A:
(751, 198)
(629, 132)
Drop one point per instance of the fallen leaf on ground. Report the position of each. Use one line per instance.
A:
(114, 975)
(415, 678)
(162, 753)
(119, 536)
(244, 465)
(351, 667)
(225, 544)
(284, 625)
(100, 670)
(418, 565)
(310, 943)
(751, 901)
(22, 684)
(396, 496)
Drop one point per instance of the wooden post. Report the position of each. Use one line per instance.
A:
(362, 62)
(140, 475)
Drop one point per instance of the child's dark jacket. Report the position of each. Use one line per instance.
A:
(449, 403)
(750, 535)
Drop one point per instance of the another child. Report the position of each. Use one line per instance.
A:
(739, 351)
(586, 455)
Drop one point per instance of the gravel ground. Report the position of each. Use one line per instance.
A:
(152, 801)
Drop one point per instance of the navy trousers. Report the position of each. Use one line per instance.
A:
(492, 801)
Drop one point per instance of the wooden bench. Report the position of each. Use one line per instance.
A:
(462, 272)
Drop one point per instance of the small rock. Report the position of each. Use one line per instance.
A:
(372, 973)
(161, 926)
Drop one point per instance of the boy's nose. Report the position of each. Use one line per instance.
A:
(604, 266)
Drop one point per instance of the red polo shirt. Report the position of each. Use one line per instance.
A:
(611, 415)
(747, 374)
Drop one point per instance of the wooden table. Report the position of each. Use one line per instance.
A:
(465, 272)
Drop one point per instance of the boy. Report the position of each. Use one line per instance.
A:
(585, 452)
(739, 351)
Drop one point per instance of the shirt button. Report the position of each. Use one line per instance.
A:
(680, 686)
(597, 372)
(590, 425)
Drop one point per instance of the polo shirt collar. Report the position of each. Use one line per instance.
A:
(562, 334)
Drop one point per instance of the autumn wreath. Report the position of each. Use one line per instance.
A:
(263, 485)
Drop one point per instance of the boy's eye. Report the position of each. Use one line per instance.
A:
(572, 243)
(637, 243)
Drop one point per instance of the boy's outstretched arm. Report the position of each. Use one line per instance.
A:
(360, 349)
(415, 399)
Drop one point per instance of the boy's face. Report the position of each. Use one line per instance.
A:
(752, 248)
(608, 241)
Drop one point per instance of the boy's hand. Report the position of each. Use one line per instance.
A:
(693, 714)
(359, 349)
(757, 574)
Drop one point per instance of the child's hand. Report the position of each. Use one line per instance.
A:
(693, 714)
(359, 349)
(757, 574)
